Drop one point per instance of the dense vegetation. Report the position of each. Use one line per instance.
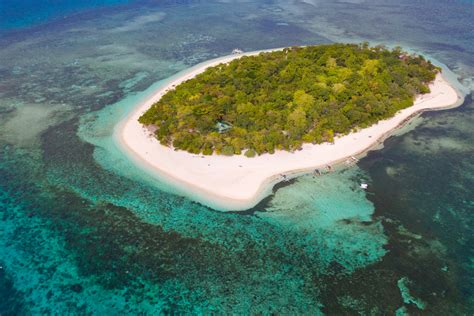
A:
(282, 99)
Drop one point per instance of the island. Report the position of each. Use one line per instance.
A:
(225, 131)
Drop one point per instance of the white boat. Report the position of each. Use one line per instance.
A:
(364, 186)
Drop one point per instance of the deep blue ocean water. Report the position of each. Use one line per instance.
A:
(84, 231)
(24, 13)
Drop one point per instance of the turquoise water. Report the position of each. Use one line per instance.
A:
(84, 231)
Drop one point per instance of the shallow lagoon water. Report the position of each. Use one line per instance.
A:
(85, 232)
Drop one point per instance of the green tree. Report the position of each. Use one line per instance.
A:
(281, 99)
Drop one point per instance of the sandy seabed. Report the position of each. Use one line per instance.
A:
(238, 182)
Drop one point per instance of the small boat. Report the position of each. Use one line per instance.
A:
(364, 186)
(351, 160)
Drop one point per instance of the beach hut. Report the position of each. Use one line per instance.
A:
(223, 126)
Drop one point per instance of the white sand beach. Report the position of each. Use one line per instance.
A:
(238, 182)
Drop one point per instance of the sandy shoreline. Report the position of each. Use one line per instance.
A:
(238, 182)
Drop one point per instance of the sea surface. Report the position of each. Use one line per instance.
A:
(84, 231)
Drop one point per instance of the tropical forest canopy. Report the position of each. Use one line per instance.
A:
(282, 99)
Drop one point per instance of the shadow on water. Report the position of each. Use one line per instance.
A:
(264, 203)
